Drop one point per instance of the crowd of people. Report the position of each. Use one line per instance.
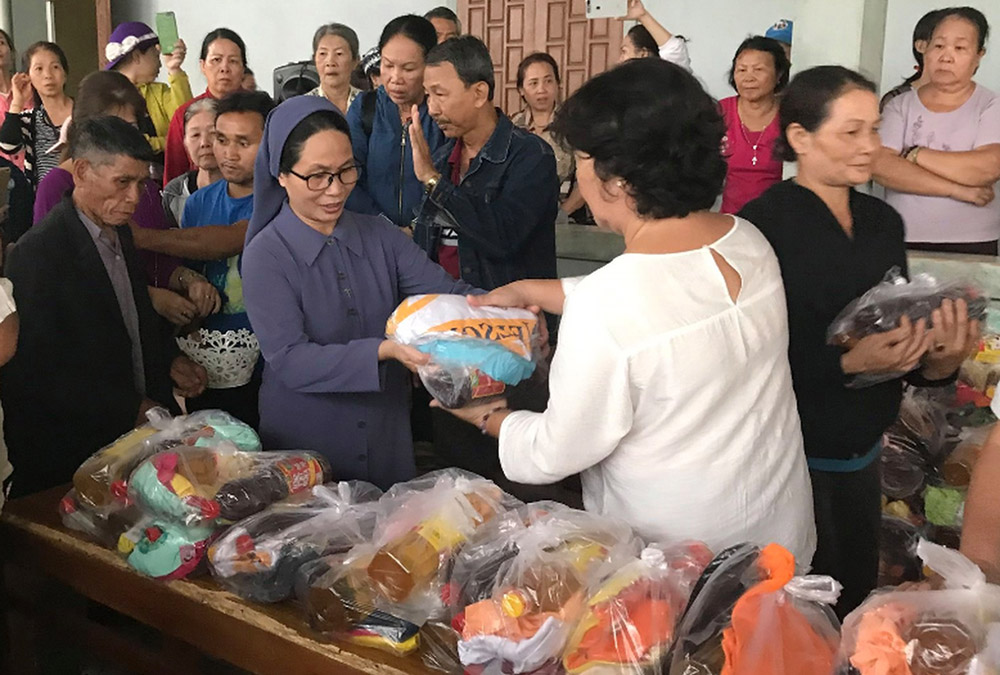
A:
(691, 387)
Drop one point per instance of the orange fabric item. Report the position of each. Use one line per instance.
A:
(623, 635)
(488, 618)
(879, 647)
(771, 637)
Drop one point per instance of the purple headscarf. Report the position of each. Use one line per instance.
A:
(268, 195)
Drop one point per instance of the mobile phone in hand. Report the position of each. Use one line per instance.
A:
(166, 29)
(607, 9)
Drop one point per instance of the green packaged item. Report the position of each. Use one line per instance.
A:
(944, 506)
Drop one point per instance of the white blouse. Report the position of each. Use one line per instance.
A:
(675, 402)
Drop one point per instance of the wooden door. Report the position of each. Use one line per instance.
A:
(82, 29)
(512, 29)
(582, 47)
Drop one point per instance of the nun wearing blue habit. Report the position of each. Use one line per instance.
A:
(318, 305)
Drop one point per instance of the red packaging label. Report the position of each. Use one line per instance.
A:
(484, 386)
(300, 473)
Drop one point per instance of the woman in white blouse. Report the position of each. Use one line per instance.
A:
(670, 387)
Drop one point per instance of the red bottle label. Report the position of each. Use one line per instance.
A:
(299, 473)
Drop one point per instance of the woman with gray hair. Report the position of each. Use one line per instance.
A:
(335, 52)
(199, 141)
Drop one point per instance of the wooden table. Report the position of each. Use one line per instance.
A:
(192, 616)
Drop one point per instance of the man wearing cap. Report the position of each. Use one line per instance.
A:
(134, 51)
(371, 66)
(782, 32)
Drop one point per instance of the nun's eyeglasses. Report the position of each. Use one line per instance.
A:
(318, 182)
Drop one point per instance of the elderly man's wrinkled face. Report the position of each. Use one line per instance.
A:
(107, 188)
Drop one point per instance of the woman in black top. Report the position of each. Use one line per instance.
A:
(833, 244)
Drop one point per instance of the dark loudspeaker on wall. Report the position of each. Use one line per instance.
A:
(293, 79)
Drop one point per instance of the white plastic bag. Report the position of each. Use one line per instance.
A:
(946, 632)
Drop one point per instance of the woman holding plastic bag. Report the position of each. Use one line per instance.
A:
(833, 244)
(320, 283)
(670, 388)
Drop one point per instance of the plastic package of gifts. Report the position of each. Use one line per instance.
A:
(104, 526)
(258, 558)
(541, 594)
(99, 504)
(629, 621)
(476, 352)
(102, 479)
(952, 631)
(882, 307)
(164, 549)
(203, 486)
(898, 561)
(380, 593)
(472, 577)
(749, 615)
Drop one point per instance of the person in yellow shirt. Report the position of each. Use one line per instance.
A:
(134, 51)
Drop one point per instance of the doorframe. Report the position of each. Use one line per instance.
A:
(103, 10)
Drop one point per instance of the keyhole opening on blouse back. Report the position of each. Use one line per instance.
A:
(734, 282)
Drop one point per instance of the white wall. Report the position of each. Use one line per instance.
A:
(28, 20)
(903, 16)
(275, 32)
(715, 28)
(827, 32)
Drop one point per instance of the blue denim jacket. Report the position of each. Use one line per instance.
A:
(504, 209)
(387, 184)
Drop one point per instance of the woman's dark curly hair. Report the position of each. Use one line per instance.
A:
(650, 123)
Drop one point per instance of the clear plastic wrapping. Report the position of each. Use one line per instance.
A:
(898, 561)
(102, 479)
(99, 504)
(882, 307)
(629, 621)
(259, 557)
(203, 486)
(104, 525)
(541, 594)
(380, 593)
(484, 559)
(749, 615)
(476, 352)
(927, 632)
(905, 465)
(164, 549)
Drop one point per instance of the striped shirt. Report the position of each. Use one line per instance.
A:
(34, 132)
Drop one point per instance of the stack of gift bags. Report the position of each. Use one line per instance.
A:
(928, 458)
(162, 493)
